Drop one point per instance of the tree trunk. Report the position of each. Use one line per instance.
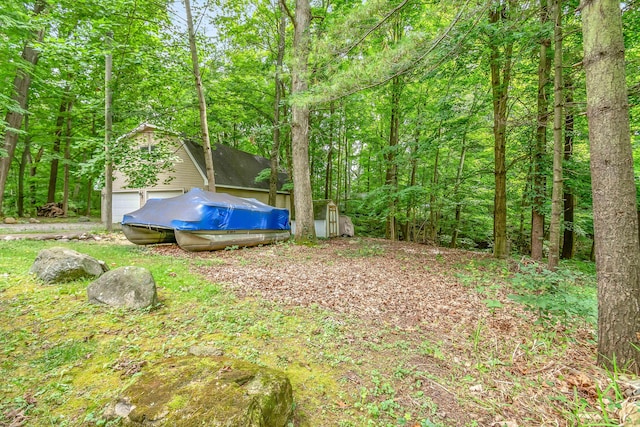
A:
(33, 169)
(433, 211)
(202, 103)
(55, 161)
(458, 214)
(347, 163)
(305, 228)
(411, 209)
(275, 148)
(500, 79)
(13, 119)
(89, 193)
(558, 143)
(26, 156)
(459, 173)
(539, 176)
(67, 160)
(338, 169)
(615, 219)
(288, 154)
(391, 177)
(108, 122)
(328, 176)
(568, 245)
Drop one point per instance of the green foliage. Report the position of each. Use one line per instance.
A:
(562, 296)
(263, 176)
(440, 58)
(141, 164)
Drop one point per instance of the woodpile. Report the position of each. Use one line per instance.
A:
(51, 210)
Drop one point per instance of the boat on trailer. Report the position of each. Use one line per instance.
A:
(201, 220)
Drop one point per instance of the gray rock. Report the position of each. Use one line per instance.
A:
(211, 391)
(131, 287)
(83, 219)
(58, 265)
(10, 220)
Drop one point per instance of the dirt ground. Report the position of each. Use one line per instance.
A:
(487, 361)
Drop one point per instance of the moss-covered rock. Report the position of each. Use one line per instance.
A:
(206, 391)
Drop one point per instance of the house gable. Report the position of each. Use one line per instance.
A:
(184, 174)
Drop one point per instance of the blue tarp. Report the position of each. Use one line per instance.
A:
(203, 210)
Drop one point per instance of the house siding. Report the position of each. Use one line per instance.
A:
(184, 175)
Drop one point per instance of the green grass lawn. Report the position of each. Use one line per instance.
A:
(63, 360)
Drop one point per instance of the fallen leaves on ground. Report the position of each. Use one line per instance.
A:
(480, 362)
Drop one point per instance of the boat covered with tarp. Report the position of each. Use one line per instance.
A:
(201, 220)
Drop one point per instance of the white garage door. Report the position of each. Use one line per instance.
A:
(123, 203)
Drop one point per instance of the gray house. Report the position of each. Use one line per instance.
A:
(235, 173)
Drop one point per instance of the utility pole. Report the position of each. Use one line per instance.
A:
(108, 122)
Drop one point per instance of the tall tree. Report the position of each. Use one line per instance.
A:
(391, 179)
(568, 244)
(202, 103)
(63, 114)
(67, 161)
(539, 177)
(20, 94)
(615, 217)
(500, 63)
(305, 228)
(558, 143)
(277, 99)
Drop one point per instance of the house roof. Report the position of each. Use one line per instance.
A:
(233, 167)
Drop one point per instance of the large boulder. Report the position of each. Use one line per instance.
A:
(130, 287)
(57, 265)
(211, 391)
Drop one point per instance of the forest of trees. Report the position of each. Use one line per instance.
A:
(423, 115)
(461, 123)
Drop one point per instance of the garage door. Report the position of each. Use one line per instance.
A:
(123, 203)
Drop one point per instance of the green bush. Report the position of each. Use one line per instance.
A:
(564, 295)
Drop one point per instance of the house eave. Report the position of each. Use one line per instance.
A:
(262, 190)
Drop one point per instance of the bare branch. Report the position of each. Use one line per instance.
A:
(286, 9)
